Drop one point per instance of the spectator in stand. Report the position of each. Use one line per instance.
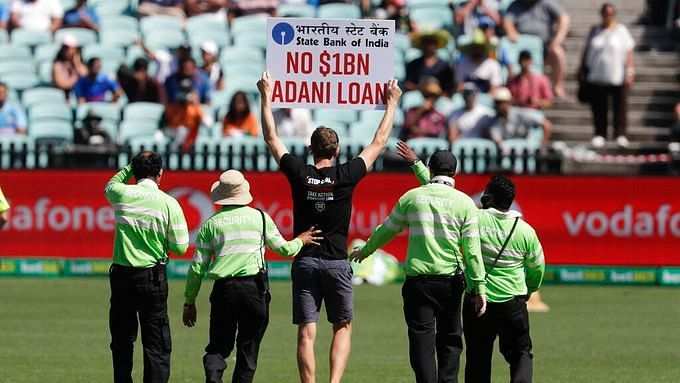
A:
(183, 117)
(425, 120)
(429, 64)
(547, 20)
(211, 67)
(201, 7)
(161, 7)
(512, 122)
(607, 67)
(81, 16)
(675, 130)
(12, 116)
(238, 8)
(239, 120)
(91, 132)
(96, 85)
(295, 123)
(476, 64)
(188, 71)
(395, 10)
(138, 85)
(36, 15)
(68, 66)
(475, 13)
(471, 121)
(529, 89)
(4, 16)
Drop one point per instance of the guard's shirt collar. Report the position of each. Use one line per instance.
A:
(504, 214)
(443, 180)
(148, 183)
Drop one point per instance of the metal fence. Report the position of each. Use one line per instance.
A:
(256, 158)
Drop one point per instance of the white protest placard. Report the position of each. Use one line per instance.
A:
(330, 63)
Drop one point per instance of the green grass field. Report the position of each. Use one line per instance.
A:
(56, 330)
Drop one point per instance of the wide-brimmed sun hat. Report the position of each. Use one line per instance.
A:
(441, 37)
(231, 189)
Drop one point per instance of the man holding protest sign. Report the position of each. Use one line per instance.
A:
(322, 197)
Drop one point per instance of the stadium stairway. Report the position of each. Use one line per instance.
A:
(657, 89)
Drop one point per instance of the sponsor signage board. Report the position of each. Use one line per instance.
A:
(613, 221)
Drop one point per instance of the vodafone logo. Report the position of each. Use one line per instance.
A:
(626, 222)
(196, 205)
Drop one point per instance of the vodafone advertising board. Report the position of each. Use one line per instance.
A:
(580, 220)
(330, 63)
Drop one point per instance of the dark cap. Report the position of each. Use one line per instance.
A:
(443, 162)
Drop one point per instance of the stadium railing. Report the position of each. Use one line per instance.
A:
(234, 155)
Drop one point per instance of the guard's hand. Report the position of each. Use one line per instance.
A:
(189, 315)
(265, 85)
(479, 304)
(406, 152)
(393, 93)
(357, 256)
(311, 236)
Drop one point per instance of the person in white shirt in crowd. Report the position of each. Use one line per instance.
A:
(607, 68)
(475, 13)
(37, 15)
(512, 122)
(294, 123)
(476, 64)
(211, 66)
(471, 121)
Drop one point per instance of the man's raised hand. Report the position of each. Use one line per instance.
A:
(265, 85)
(393, 93)
(406, 152)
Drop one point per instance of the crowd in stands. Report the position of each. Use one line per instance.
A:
(474, 70)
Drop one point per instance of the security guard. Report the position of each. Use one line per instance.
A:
(514, 264)
(230, 250)
(149, 224)
(443, 242)
(4, 210)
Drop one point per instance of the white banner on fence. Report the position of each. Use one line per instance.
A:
(330, 63)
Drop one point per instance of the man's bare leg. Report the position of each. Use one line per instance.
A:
(305, 352)
(340, 349)
(558, 61)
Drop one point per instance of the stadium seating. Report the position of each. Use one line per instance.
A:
(42, 95)
(46, 52)
(29, 38)
(472, 154)
(119, 22)
(106, 110)
(295, 10)
(339, 11)
(530, 43)
(50, 112)
(425, 146)
(143, 111)
(136, 128)
(430, 18)
(20, 80)
(60, 131)
(119, 37)
(249, 24)
(84, 36)
(345, 116)
(157, 24)
(411, 99)
(15, 53)
(520, 148)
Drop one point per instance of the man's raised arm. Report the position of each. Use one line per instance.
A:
(375, 148)
(271, 137)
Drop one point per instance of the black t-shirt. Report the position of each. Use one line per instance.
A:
(323, 198)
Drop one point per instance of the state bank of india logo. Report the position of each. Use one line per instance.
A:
(196, 205)
(283, 33)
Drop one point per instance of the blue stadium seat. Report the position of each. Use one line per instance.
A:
(54, 129)
(104, 52)
(414, 4)
(136, 128)
(106, 8)
(20, 143)
(106, 110)
(143, 111)
(340, 127)
(198, 37)
(15, 53)
(46, 52)
(119, 22)
(42, 95)
(164, 39)
(295, 10)
(29, 38)
(363, 130)
(242, 69)
(7, 67)
(241, 55)
(119, 37)
(4, 36)
(432, 18)
(254, 40)
(339, 11)
(345, 116)
(411, 99)
(249, 24)
(205, 22)
(84, 36)
(50, 112)
(425, 146)
(155, 24)
(45, 73)
(244, 146)
(464, 148)
(20, 81)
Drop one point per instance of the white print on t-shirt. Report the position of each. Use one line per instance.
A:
(317, 181)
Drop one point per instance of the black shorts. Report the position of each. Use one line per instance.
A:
(316, 280)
